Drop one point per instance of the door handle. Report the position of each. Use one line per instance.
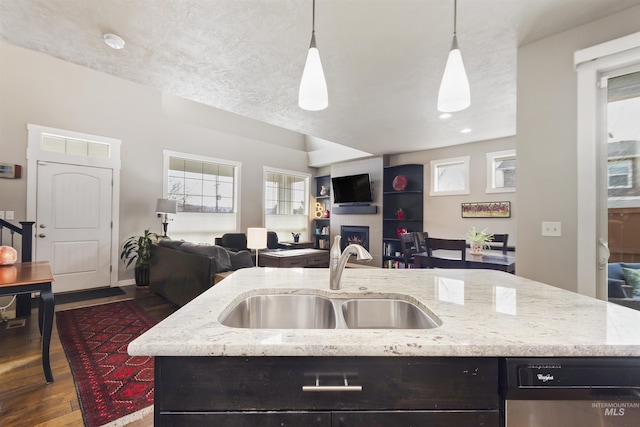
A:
(42, 235)
(317, 387)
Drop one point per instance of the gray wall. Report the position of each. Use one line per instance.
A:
(442, 214)
(38, 89)
(373, 167)
(547, 149)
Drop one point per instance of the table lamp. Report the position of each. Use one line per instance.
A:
(164, 207)
(256, 239)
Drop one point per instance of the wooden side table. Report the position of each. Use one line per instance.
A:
(25, 278)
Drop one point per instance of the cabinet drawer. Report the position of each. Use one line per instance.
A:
(293, 262)
(276, 383)
(245, 419)
(415, 418)
(320, 260)
(328, 419)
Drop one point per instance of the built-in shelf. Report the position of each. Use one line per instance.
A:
(321, 225)
(411, 200)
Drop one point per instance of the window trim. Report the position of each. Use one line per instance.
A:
(465, 161)
(492, 158)
(266, 170)
(167, 154)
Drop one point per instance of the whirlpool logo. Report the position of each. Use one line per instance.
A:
(545, 377)
(615, 409)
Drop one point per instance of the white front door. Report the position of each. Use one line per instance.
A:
(73, 224)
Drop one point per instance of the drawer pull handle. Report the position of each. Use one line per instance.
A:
(345, 387)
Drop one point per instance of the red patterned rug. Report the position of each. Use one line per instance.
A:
(110, 383)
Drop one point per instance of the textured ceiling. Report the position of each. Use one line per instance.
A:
(383, 59)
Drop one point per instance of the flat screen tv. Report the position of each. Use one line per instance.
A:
(352, 189)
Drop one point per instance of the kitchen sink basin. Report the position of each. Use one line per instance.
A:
(385, 314)
(282, 312)
(295, 311)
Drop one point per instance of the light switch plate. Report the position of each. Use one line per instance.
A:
(553, 229)
(9, 214)
(1, 214)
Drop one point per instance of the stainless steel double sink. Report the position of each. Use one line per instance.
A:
(295, 311)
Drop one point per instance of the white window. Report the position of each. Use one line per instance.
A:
(286, 203)
(450, 176)
(619, 173)
(201, 186)
(501, 171)
(75, 146)
(206, 190)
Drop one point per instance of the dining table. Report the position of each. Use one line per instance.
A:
(490, 259)
(27, 278)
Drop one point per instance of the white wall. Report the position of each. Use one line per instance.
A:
(442, 214)
(38, 89)
(547, 148)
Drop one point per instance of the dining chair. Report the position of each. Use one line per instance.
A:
(409, 246)
(421, 240)
(502, 239)
(453, 245)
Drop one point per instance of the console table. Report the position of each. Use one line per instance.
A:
(25, 278)
(295, 258)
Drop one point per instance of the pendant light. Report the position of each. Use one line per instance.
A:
(454, 89)
(313, 87)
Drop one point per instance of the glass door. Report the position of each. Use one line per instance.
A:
(623, 177)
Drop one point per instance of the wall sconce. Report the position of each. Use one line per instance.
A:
(164, 207)
(256, 239)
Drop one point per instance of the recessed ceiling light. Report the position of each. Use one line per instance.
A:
(465, 130)
(113, 41)
(444, 116)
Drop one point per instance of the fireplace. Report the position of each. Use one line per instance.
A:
(354, 234)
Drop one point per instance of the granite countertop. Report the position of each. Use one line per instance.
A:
(483, 313)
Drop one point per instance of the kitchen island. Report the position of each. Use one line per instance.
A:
(425, 375)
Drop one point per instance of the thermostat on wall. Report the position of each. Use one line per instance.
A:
(10, 171)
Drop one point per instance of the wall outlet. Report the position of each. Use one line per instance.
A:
(552, 229)
(9, 215)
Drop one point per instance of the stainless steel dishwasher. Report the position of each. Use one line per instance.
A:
(571, 392)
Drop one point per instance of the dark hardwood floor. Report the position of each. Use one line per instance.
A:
(25, 398)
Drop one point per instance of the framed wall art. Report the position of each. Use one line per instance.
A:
(486, 210)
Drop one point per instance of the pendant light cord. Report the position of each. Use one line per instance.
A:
(455, 16)
(313, 26)
(313, 18)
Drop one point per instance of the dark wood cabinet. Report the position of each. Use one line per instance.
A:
(328, 391)
(321, 225)
(409, 197)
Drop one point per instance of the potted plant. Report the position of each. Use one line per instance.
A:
(478, 240)
(138, 249)
(296, 237)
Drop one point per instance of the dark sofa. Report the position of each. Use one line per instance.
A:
(180, 271)
(238, 242)
(619, 291)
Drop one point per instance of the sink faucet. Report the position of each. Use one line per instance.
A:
(338, 261)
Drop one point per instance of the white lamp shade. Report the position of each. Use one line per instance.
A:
(256, 238)
(166, 206)
(454, 94)
(313, 87)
